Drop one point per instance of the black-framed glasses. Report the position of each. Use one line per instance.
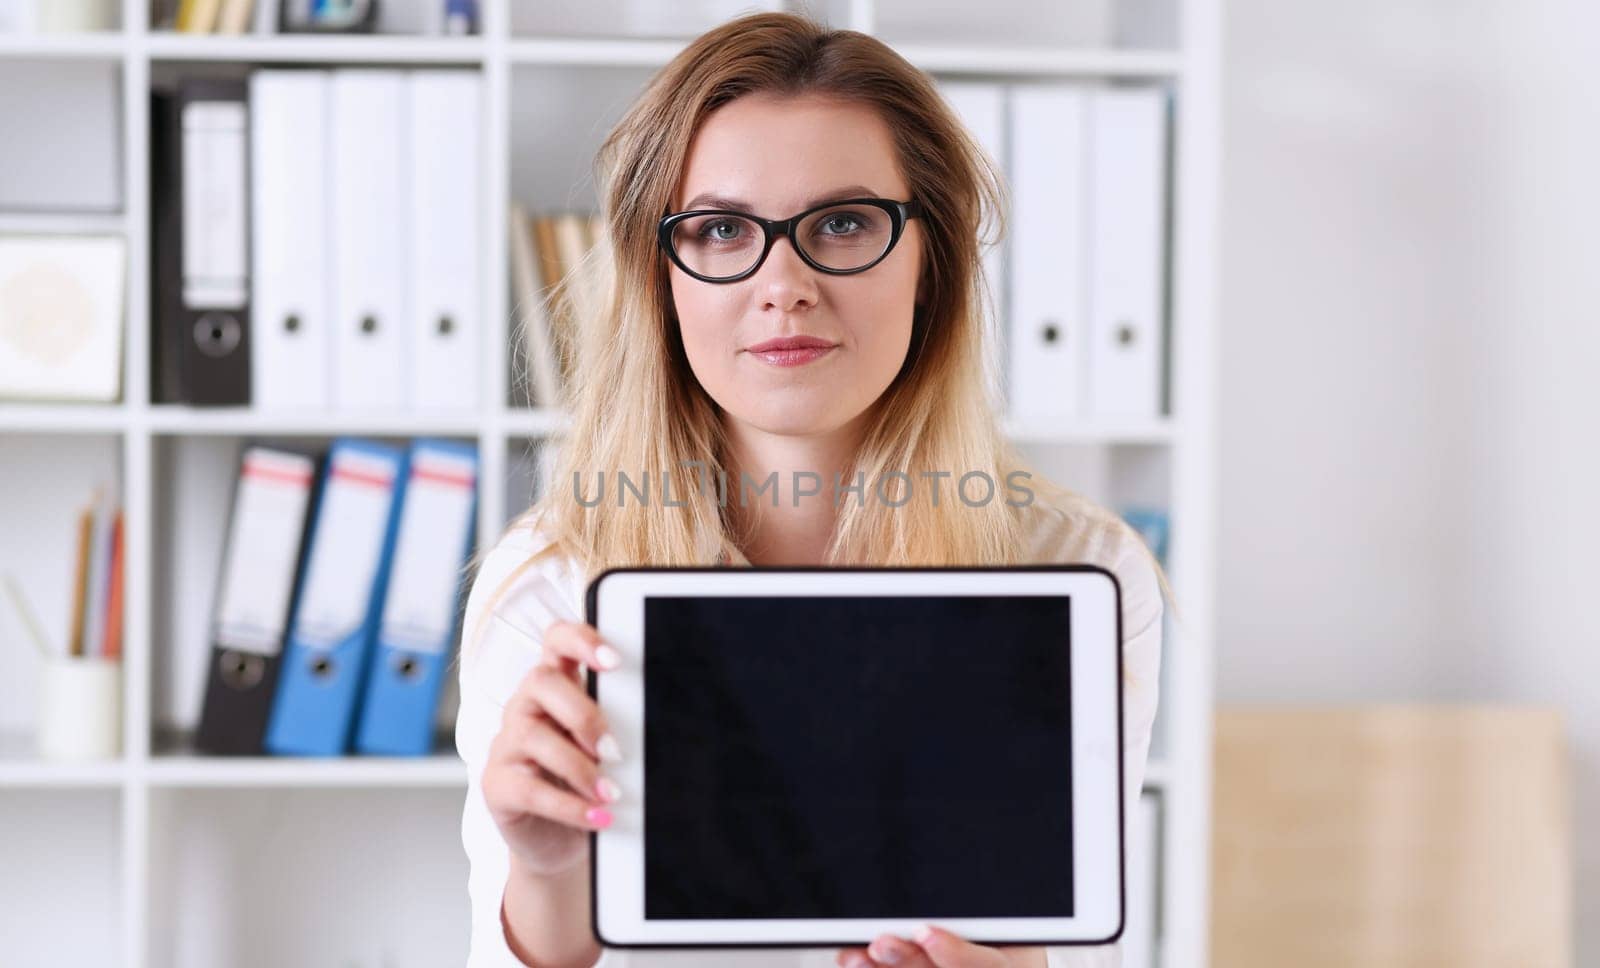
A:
(839, 238)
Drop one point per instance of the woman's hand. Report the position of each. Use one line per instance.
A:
(542, 780)
(937, 948)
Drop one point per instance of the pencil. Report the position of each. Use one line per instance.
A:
(80, 591)
(20, 603)
(113, 647)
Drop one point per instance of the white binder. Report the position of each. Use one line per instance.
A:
(1046, 346)
(446, 321)
(290, 325)
(1127, 164)
(261, 555)
(250, 606)
(215, 270)
(371, 344)
(981, 106)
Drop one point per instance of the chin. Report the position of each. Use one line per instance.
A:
(796, 418)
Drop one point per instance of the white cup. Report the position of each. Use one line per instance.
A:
(80, 708)
(73, 16)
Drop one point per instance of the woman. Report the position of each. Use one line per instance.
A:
(879, 369)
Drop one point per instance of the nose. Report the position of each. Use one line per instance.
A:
(785, 280)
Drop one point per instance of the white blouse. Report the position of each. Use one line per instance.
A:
(551, 590)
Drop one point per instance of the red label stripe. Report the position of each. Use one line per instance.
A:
(267, 472)
(441, 477)
(343, 473)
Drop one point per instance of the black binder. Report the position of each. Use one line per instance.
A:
(200, 348)
(246, 646)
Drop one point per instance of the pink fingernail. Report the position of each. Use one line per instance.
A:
(607, 789)
(598, 817)
(923, 934)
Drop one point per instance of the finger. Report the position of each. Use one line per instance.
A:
(889, 949)
(570, 646)
(854, 958)
(552, 694)
(545, 799)
(574, 644)
(946, 950)
(554, 750)
(515, 794)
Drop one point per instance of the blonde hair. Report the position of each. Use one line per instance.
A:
(635, 404)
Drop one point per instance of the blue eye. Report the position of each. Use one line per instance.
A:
(842, 217)
(708, 228)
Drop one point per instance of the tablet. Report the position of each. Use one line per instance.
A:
(813, 756)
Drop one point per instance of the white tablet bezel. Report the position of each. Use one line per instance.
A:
(614, 605)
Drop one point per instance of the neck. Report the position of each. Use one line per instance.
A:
(797, 530)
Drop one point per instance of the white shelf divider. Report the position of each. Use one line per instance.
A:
(176, 419)
(585, 52)
(46, 418)
(200, 772)
(314, 48)
(98, 45)
(138, 496)
(62, 223)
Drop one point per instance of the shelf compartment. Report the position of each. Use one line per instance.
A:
(193, 485)
(257, 878)
(47, 480)
(49, 166)
(61, 877)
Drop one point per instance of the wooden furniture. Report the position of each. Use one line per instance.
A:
(1391, 837)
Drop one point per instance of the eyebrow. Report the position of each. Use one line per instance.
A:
(713, 200)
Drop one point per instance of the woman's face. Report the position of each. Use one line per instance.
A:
(779, 157)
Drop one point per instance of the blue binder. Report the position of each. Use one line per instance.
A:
(417, 623)
(334, 625)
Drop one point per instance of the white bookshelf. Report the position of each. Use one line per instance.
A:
(161, 840)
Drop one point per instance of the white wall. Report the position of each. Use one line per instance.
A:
(1410, 363)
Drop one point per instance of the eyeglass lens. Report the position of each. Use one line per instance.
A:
(844, 237)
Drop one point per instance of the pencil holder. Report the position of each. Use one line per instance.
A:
(80, 708)
(72, 16)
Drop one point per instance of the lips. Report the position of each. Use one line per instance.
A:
(792, 343)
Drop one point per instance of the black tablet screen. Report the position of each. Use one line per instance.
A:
(850, 757)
